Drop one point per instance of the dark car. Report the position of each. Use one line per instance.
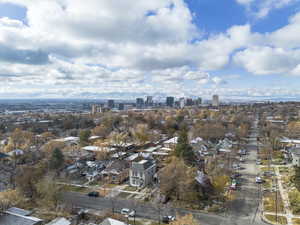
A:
(93, 194)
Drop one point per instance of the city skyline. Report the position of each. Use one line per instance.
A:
(237, 49)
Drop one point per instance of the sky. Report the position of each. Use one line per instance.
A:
(238, 49)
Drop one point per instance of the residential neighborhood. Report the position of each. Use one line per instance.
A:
(140, 167)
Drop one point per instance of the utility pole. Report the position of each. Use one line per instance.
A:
(276, 201)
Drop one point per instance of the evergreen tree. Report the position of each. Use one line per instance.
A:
(57, 159)
(183, 148)
(84, 137)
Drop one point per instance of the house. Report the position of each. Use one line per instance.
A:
(171, 143)
(110, 221)
(16, 152)
(296, 157)
(59, 221)
(142, 173)
(96, 149)
(116, 172)
(70, 141)
(16, 216)
(3, 156)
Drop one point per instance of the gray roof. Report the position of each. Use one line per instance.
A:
(295, 151)
(59, 221)
(11, 219)
(143, 164)
(19, 211)
(2, 155)
(109, 221)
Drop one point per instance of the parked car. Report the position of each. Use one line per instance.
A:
(242, 152)
(168, 219)
(93, 194)
(258, 180)
(232, 186)
(236, 166)
(235, 175)
(268, 173)
(258, 162)
(127, 212)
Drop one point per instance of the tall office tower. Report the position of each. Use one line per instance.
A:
(198, 102)
(94, 109)
(170, 101)
(121, 106)
(111, 103)
(139, 103)
(189, 102)
(215, 100)
(149, 101)
(181, 103)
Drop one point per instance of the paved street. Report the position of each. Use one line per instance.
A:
(243, 210)
(143, 210)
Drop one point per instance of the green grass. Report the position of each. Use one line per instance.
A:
(281, 219)
(296, 221)
(123, 195)
(264, 169)
(270, 203)
(283, 169)
(129, 188)
(294, 197)
(75, 188)
(267, 183)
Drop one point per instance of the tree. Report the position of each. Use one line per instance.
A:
(84, 137)
(178, 181)
(9, 198)
(140, 134)
(49, 147)
(102, 130)
(183, 148)
(219, 183)
(57, 159)
(185, 220)
(49, 192)
(21, 139)
(27, 178)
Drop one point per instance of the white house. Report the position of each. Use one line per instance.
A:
(171, 143)
(142, 173)
(109, 221)
(296, 156)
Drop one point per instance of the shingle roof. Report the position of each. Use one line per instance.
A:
(10, 219)
(2, 155)
(19, 211)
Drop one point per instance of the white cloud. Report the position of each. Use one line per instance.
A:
(261, 8)
(267, 60)
(289, 35)
(146, 46)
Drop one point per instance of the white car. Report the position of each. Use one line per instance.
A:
(127, 212)
(258, 180)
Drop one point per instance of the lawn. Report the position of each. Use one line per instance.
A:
(294, 197)
(123, 195)
(283, 170)
(267, 183)
(270, 203)
(263, 169)
(75, 188)
(281, 219)
(129, 188)
(296, 221)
